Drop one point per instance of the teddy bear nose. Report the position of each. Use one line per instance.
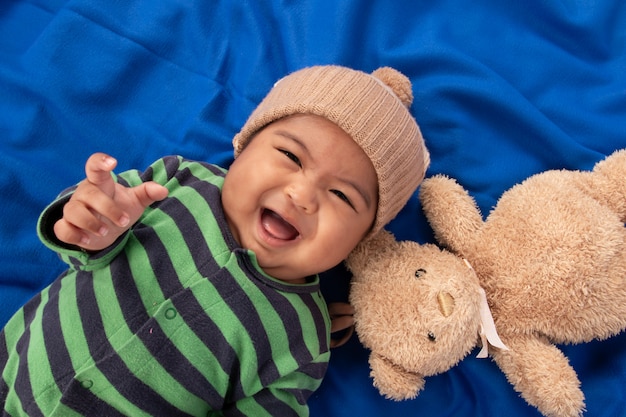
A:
(446, 303)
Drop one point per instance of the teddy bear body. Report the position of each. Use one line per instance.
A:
(555, 261)
(551, 259)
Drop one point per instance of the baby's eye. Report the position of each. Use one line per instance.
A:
(291, 156)
(343, 197)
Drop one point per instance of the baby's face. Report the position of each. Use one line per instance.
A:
(301, 195)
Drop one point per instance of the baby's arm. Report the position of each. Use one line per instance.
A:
(100, 209)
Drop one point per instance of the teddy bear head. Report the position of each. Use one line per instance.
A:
(417, 308)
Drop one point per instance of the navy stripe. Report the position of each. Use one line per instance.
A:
(171, 164)
(4, 357)
(74, 395)
(194, 240)
(319, 319)
(189, 307)
(56, 348)
(205, 264)
(175, 363)
(160, 263)
(22, 382)
(231, 411)
(92, 326)
(114, 368)
(289, 315)
(269, 402)
(179, 366)
(30, 309)
(291, 322)
(75, 262)
(210, 334)
(315, 370)
(301, 395)
(127, 293)
(23, 386)
(4, 352)
(123, 182)
(153, 337)
(86, 403)
(249, 317)
(212, 168)
(213, 338)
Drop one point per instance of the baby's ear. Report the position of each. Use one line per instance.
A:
(394, 382)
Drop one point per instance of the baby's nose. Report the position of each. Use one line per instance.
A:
(304, 195)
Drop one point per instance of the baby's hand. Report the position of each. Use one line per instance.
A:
(100, 210)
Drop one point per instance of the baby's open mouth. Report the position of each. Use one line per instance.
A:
(278, 227)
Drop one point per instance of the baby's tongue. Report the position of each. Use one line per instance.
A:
(278, 227)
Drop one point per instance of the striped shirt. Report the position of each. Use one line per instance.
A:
(173, 319)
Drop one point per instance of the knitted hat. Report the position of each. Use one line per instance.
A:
(372, 109)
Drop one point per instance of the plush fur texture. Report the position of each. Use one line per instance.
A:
(551, 257)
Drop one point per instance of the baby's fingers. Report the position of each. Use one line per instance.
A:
(149, 192)
(70, 234)
(79, 218)
(90, 198)
(98, 171)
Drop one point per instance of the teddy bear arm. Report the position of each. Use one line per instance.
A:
(541, 373)
(451, 211)
(392, 381)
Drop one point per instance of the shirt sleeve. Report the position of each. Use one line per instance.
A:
(161, 171)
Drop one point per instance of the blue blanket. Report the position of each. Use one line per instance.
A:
(503, 90)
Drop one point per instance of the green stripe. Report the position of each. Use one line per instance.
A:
(76, 343)
(134, 353)
(16, 327)
(144, 277)
(273, 326)
(231, 328)
(39, 369)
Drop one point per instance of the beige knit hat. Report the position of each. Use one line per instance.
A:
(372, 109)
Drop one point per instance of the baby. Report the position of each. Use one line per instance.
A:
(193, 290)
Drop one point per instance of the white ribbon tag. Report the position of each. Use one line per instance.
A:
(488, 333)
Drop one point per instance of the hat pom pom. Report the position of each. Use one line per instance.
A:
(398, 83)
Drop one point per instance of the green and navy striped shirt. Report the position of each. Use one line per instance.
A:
(174, 319)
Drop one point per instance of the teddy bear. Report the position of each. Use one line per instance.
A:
(547, 266)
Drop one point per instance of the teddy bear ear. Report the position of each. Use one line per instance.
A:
(394, 382)
(368, 251)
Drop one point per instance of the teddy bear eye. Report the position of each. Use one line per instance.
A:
(420, 273)
(432, 337)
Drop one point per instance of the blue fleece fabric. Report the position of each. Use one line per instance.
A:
(503, 90)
